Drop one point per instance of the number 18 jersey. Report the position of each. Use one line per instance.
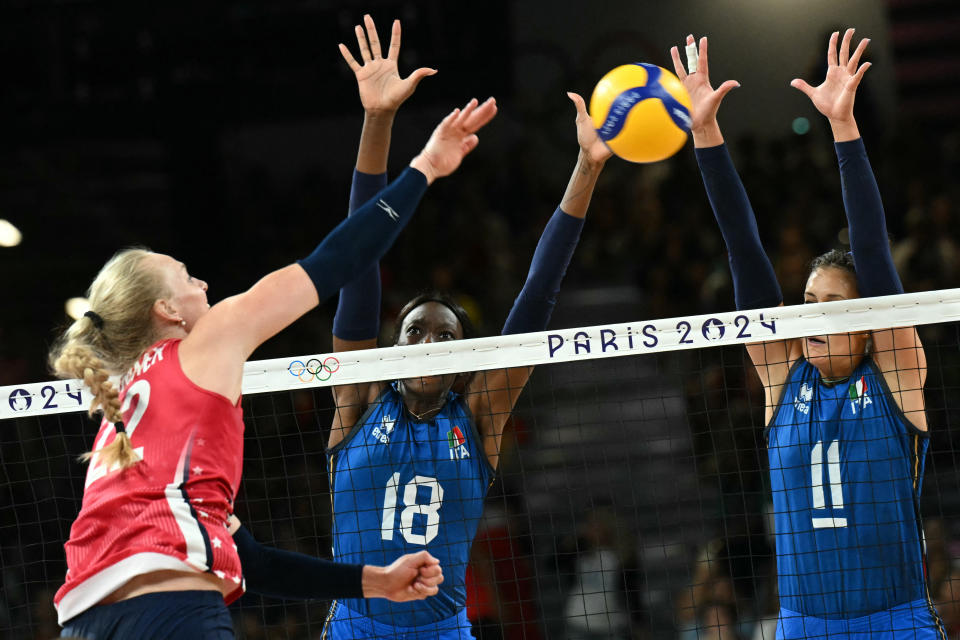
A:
(399, 486)
(845, 472)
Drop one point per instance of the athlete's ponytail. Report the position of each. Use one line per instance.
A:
(108, 339)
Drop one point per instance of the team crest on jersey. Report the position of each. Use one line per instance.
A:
(457, 444)
(859, 397)
(381, 433)
(801, 401)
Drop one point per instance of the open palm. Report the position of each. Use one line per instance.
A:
(378, 79)
(454, 138)
(834, 97)
(704, 98)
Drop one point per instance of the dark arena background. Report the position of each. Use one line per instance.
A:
(634, 490)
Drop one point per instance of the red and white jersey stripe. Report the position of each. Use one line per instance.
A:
(169, 510)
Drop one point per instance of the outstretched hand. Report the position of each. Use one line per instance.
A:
(590, 143)
(705, 99)
(834, 97)
(453, 139)
(378, 79)
(413, 576)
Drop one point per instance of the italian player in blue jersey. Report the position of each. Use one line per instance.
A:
(847, 432)
(410, 461)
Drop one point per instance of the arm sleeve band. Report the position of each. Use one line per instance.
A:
(876, 275)
(754, 282)
(285, 574)
(358, 310)
(532, 309)
(365, 236)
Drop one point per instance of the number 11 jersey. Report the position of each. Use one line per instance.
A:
(399, 486)
(845, 471)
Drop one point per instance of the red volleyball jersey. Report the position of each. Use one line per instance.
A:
(169, 510)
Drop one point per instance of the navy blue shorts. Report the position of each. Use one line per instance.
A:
(344, 624)
(910, 621)
(168, 615)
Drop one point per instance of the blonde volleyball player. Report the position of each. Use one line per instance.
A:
(846, 426)
(150, 554)
(411, 460)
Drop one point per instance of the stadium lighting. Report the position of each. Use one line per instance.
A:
(10, 236)
(76, 307)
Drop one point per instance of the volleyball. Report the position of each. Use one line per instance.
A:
(641, 111)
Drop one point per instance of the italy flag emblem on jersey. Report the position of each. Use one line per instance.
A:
(858, 394)
(456, 441)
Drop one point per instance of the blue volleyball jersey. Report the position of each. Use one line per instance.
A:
(846, 468)
(399, 486)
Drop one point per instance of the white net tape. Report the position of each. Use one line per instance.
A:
(545, 347)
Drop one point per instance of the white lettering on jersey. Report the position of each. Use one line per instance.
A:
(801, 401)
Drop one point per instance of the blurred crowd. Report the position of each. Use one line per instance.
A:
(649, 227)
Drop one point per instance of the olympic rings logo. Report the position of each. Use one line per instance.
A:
(314, 369)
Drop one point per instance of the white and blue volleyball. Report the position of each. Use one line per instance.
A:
(641, 111)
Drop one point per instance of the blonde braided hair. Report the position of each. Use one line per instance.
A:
(110, 340)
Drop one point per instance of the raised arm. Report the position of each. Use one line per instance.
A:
(382, 91)
(492, 394)
(897, 352)
(225, 337)
(754, 281)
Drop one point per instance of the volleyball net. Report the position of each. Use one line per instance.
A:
(633, 495)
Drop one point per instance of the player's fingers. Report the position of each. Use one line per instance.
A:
(465, 113)
(469, 143)
(373, 37)
(703, 64)
(481, 115)
(430, 571)
(854, 82)
(448, 121)
(855, 58)
(428, 589)
(802, 85)
(348, 57)
(578, 103)
(832, 49)
(726, 88)
(362, 41)
(677, 65)
(844, 57)
(418, 75)
(394, 52)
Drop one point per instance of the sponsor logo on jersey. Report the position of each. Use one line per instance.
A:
(390, 210)
(801, 401)
(859, 397)
(381, 433)
(457, 444)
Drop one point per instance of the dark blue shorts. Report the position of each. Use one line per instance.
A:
(170, 615)
(344, 624)
(915, 620)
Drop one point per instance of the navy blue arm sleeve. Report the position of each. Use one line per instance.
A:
(532, 309)
(285, 574)
(365, 236)
(754, 281)
(358, 310)
(876, 274)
